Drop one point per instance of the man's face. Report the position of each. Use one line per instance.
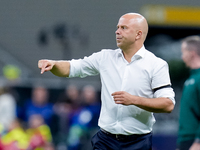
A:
(186, 54)
(126, 32)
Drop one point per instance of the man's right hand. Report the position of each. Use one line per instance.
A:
(45, 65)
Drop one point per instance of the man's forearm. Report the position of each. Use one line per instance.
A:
(157, 105)
(61, 68)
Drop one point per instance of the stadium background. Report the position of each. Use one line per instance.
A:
(63, 29)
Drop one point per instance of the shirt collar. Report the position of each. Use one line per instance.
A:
(139, 54)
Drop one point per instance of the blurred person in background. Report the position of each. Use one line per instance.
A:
(16, 137)
(63, 109)
(189, 121)
(92, 106)
(66, 106)
(38, 132)
(84, 122)
(38, 104)
(135, 84)
(91, 103)
(73, 94)
(7, 108)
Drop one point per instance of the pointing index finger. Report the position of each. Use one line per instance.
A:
(41, 66)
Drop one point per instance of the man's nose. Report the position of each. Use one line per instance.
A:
(117, 31)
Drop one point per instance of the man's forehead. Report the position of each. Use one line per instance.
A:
(126, 21)
(123, 20)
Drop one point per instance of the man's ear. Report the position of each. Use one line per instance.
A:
(139, 35)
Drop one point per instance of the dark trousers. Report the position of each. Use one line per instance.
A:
(103, 141)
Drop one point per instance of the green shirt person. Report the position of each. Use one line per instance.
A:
(189, 121)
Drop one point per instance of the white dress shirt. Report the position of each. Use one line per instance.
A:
(144, 73)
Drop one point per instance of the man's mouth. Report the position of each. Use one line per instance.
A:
(118, 38)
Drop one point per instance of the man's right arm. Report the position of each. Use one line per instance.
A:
(59, 68)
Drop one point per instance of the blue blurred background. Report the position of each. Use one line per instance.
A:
(64, 29)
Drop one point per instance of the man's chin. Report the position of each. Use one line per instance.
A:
(118, 45)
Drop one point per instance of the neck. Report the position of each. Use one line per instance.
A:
(195, 64)
(130, 52)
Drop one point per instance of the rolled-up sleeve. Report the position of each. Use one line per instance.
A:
(161, 81)
(88, 66)
(165, 92)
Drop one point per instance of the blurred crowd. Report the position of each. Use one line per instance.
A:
(68, 123)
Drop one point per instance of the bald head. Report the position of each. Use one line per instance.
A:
(138, 21)
(132, 29)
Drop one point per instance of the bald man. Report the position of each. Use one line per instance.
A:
(135, 83)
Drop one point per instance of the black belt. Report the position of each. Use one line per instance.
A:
(121, 137)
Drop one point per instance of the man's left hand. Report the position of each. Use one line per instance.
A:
(122, 97)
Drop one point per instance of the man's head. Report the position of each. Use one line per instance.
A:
(132, 28)
(190, 49)
(40, 95)
(89, 94)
